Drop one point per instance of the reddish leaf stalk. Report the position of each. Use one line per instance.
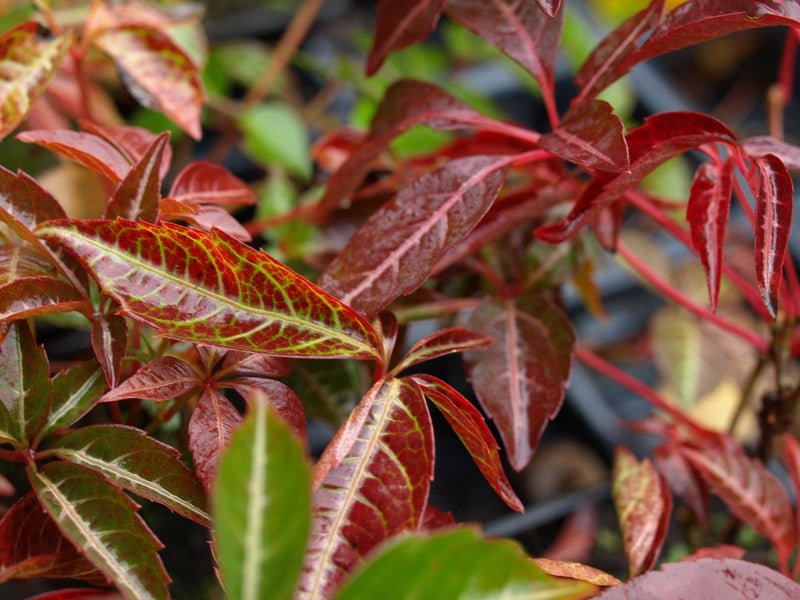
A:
(786, 71)
(676, 296)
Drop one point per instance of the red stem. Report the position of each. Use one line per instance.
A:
(786, 71)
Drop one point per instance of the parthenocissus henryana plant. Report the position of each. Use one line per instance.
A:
(202, 341)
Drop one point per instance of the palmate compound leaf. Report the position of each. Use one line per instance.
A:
(102, 521)
(262, 508)
(371, 483)
(209, 288)
(457, 565)
(29, 57)
(520, 379)
(137, 462)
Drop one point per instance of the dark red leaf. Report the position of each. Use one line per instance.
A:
(281, 397)
(707, 214)
(19, 262)
(395, 251)
(707, 578)
(133, 142)
(520, 379)
(683, 480)
(401, 23)
(26, 201)
(202, 182)
(210, 428)
(470, 427)
(573, 570)
(34, 296)
(78, 594)
(445, 341)
(774, 200)
(766, 144)
(250, 363)
(163, 378)
(590, 135)
(550, 7)
(208, 218)
(110, 343)
(791, 456)
(433, 519)
(721, 551)
(138, 194)
(644, 507)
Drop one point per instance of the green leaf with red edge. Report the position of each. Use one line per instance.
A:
(19, 262)
(590, 135)
(683, 480)
(774, 192)
(262, 508)
(157, 72)
(131, 141)
(32, 546)
(75, 392)
(371, 483)
(210, 429)
(521, 378)
(102, 521)
(202, 182)
(209, 288)
(401, 23)
(707, 214)
(280, 397)
(138, 194)
(87, 149)
(33, 296)
(661, 137)
(29, 57)
(163, 378)
(644, 507)
(456, 565)
(573, 570)
(444, 341)
(751, 492)
(470, 427)
(25, 387)
(138, 463)
(394, 252)
(109, 337)
(791, 456)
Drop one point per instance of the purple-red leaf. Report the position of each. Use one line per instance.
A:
(110, 343)
(249, 363)
(521, 378)
(590, 135)
(164, 378)
(550, 7)
(644, 506)
(445, 341)
(210, 429)
(280, 396)
(774, 199)
(371, 483)
(707, 214)
(791, 456)
(205, 217)
(211, 289)
(762, 145)
(26, 202)
(34, 296)
(401, 23)
(138, 194)
(683, 480)
(434, 518)
(202, 182)
(470, 427)
(78, 594)
(396, 249)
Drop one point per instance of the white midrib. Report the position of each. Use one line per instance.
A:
(71, 401)
(256, 500)
(512, 351)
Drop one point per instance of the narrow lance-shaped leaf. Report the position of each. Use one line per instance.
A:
(209, 288)
(29, 57)
(470, 427)
(102, 521)
(163, 378)
(521, 378)
(34, 296)
(210, 429)
(707, 214)
(262, 509)
(110, 343)
(371, 483)
(644, 507)
(75, 392)
(137, 462)
(445, 341)
(138, 194)
(407, 236)
(774, 200)
(202, 182)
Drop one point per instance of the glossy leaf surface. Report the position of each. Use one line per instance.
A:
(396, 249)
(163, 378)
(110, 342)
(139, 192)
(444, 341)
(371, 483)
(644, 507)
(401, 23)
(457, 565)
(98, 518)
(469, 425)
(138, 463)
(262, 508)
(34, 296)
(26, 202)
(762, 145)
(280, 397)
(75, 392)
(209, 288)
(210, 429)
(203, 182)
(520, 379)
(251, 363)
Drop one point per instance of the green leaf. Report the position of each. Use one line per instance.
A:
(275, 134)
(262, 509)
(102, 521)
(457, 565)
(75, 392)
(209, 288)
(137, 462)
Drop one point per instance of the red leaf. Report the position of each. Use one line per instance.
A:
(408, 235)
(576, 537)
(401, 23)
(78, 594)
(683, 480)
(163, 378)
(766, 144)
(138, 194)
(550, 7)
(26, 202)
(573, 570)
(444, 341)
(791, 456)
(643, 505)
(210, 429)
(133, 142)
(751, 492)
(202, 182)
(721, 551)
(110, 343)
(520, 379)
(34, 296)
(250, 363)
(371, 483)
(281, 397)
(434, 518)
(774, 199)
(20, 262)
(707, 214)
(707, 578)
(208, 218)
(590, 135)
(472, 430)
